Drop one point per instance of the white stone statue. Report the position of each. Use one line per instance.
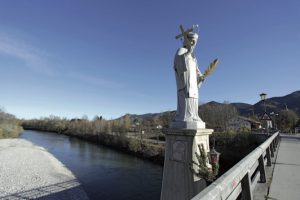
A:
(188, 80)
(187, 131)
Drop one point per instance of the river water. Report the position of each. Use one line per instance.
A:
(105, 174)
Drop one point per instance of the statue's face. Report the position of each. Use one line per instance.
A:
(193, 43)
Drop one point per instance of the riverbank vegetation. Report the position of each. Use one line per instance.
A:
(139, 136)
(287, 120)
(118, 134)
(234, 147)
(142, 138)
(9, 125)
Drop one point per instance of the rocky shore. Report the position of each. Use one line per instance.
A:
(28, 171)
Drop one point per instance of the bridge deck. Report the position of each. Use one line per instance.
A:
(286, 177)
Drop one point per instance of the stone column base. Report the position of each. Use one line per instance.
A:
(187, 125)
(179, 181)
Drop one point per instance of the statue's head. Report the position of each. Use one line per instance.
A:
(193, 38)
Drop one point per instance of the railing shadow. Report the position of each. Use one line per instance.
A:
(59, 191)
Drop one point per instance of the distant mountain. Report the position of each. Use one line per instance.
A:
(274, 104)
(212, 103)
(145, 116)
(243, 108)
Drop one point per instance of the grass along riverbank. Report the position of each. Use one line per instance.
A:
(9, 125)
(10, 130)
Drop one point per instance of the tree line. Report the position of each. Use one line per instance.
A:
(216, 116)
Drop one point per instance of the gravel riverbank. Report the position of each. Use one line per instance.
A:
(28, 171)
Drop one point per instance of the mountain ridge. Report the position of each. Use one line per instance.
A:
(274, 104)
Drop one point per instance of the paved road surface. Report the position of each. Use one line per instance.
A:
(29, 172)
(286, 178)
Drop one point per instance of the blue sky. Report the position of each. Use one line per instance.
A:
(70, 58)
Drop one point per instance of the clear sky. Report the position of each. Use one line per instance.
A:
(70, 58)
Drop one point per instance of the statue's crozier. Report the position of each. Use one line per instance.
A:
(188, 80)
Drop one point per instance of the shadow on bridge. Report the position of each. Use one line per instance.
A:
(64, 190)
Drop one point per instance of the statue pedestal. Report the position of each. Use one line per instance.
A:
(187, 125)
(179, 181)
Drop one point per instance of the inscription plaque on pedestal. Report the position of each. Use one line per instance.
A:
(178, 152)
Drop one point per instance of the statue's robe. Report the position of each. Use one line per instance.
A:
(187, 73)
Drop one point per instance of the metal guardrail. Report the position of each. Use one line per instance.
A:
(242, 178)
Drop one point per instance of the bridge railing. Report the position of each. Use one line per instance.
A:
(242, 178)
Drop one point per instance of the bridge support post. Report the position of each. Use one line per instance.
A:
(269, 162)
(274, 145)
(262, 170)
(276, 142)
(246, 188)
(272, 149)
(179, 181)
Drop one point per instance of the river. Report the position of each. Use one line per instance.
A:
(105, 174)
